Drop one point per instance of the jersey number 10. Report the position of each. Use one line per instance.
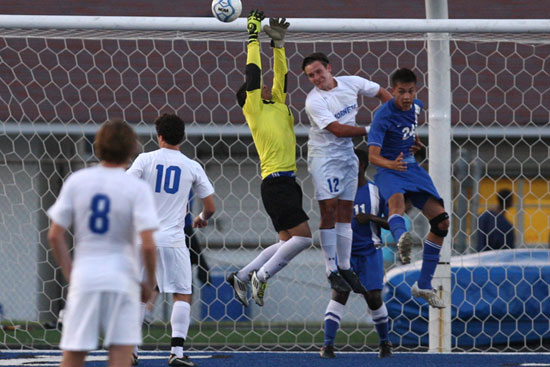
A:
(171, 179)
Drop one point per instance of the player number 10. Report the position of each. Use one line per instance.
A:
(171, 179)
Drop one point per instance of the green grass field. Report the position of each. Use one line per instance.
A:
(209, 335)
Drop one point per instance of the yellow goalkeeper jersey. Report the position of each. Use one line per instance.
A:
(271, 122)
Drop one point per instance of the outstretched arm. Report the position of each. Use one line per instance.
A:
(343, 131)
(253, 64)
(364, 218)
(277, 30)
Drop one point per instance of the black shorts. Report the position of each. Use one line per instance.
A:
(282, 198)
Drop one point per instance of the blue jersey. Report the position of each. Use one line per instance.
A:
(394, 130)
(366, 238)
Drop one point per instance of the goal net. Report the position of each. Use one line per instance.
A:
(58, 86)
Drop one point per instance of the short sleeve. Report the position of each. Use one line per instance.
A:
(61, 212)
(377, 131)
(136, 169)
(368, 88)
(318, 112)
(202, 186)
(145, 214)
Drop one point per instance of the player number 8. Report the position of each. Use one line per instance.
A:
(99, 220)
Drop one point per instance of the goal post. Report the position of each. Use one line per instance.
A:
(487, 127)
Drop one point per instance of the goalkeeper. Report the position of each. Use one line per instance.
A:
(272, 125)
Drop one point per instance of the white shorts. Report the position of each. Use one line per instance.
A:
(334, 177)
(173, 270)
(115, 315)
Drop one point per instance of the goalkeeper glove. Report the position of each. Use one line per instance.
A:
(276, 30)
(254, 24)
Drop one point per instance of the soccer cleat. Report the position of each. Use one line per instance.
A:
(258, 288)
(134, 359)
(240, 287)
(327, 351)
(353, 280)
(338, 283)
(430, 295)
(173, 360)
(385, 350)
(404, 245)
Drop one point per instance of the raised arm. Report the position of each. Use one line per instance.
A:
(253, 64)
(276, 30)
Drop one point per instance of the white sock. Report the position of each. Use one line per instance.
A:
(259, 261)
(380, 315)
(336, 309)
(344, 237)
(180, 319)
(141, 317)
(328, 244)
(284, 254)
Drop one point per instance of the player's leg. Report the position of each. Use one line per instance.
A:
(120, 355)
(239, 279)
(326, 177)
(81, 324)
(73, 358)
(344, 237)
(333, 317)
(299, 239)
(328, 209)
(370, 269)
(439, 227)
(150, 302)
(179, 321)
(121, 325)
(396, 221)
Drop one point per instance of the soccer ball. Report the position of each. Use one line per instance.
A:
(226, 10)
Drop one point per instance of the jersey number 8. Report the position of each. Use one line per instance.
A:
(99, 220)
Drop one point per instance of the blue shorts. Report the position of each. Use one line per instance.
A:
(370, 269)
(414, 183)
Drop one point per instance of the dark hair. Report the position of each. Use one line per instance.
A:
(115, 142)
(316, 56)
(363, 157)
(505, 198)
(241, 95)
(402, 75)
(171, 127)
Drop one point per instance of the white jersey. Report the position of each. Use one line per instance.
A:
(338, 104)
(106, 209)
(171, 175)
